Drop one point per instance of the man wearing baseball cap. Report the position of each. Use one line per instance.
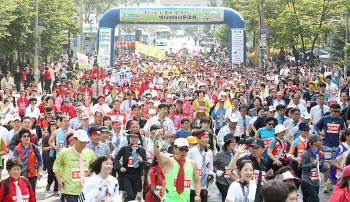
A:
(231, 127)
(131, 167)
(71, 167)
(219, 115)
(95, 144)
(67, 109)
(179, 171)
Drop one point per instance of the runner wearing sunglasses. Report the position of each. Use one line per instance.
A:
(178, 170)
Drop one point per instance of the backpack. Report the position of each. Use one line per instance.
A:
(7, 182)
(145, 183)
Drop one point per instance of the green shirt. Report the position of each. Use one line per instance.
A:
(171, 194)
(67, 162)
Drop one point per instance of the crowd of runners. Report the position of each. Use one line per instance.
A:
(164, 130)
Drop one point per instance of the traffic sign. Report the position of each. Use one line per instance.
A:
(263, 29)
(263, 37)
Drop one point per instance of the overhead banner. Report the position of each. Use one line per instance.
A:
(150, 51)
(172, 15)
(104, 51)
(83, 61)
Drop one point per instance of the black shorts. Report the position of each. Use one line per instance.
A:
(69, 198)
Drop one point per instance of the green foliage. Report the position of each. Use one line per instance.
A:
(17, 26)
(222, 33)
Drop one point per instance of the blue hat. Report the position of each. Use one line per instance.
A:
(304, 126)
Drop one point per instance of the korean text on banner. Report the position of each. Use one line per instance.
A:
(83, 61)
(150, 51)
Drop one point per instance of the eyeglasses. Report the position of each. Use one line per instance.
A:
(270, 124)
(183, 149)
(25, 136)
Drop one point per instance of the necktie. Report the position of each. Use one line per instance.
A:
(244, 125)
(117, 142)
(51, 152)
(180, 181)
(204, 169)
(18, 191)
(130, 104)
(65, 139)
(231, 155)
(31, 109)
(81, 166)
(97, 90)
(24, 106)
(162, 125)
(322, 112)
(344, 105)
(221, 122)
(95, 151)
(62, 95)
(25, 161)
(134, 157)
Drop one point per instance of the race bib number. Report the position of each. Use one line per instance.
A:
(218, 118)
(201, 109)
(165, 128)
(256, 176)
(308, 103)
(25, 198)
(333, 128)
(76, 174)
(267, 141)
(242, 130)
(314, 174)
(187, 183)
(226, 172)
(200, 172)
(300, 152)
(128, 111)
(61, 144)
(130, 162)
(150, 157)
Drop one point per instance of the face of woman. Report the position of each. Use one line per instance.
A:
(292, 197)
(108, 122)
(134, 127)
(261, 113)
(106, 166)
(232, 145)
(247, 172)
(134, 139)
(15, 172)
(104, 136)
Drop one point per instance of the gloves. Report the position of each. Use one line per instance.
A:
(219, 173)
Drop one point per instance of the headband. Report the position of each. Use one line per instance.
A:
(70, 138)
(116, 121)
(132, 122)
(95, 132)
(52, 123)
(201, 134)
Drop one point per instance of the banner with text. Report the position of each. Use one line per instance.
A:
(150, 51)
(172, 15)
(83, 61)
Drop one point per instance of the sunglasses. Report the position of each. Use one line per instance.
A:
(270, 124)
(183, 149)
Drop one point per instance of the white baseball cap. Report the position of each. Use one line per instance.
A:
(81, 135)
(280, 128)
(181, 142)
(151, 111)
(232, 118)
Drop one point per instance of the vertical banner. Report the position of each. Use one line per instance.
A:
(104, 50)
(237, 40)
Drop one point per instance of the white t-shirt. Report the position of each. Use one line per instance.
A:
(332, 88)
(235, 192)
(341, 160)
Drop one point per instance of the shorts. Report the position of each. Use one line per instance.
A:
(329, 152)
(69, 198)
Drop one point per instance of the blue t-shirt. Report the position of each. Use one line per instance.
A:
(266, 135)
(182, 134)
(332, 127)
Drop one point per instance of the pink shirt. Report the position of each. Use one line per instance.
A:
(177, 122)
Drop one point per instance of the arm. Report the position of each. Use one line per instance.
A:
(13, 142)
(304, 162)
(40, 162)
(196, 180)
(3, 148)
(272, 157)
(290, 154)
(336, 165)
(233, 163)
(162, 159)
(52, 139)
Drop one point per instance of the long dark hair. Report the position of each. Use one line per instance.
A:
(344, 182)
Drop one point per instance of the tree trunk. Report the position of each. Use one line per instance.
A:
(295, 53)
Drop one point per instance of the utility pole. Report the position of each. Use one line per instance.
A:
(36, 42)
(261, 23)
(82, 26)
(346, 43)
